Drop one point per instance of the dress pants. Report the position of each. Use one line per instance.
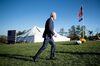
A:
(43, 47)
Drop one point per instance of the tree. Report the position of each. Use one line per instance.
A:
(61, 31)
(21, 32)
(76, 32)
(90, 33)
(72, 33)
(3, 39)
(83, 31)
(97, 36)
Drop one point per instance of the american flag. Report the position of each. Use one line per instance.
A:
(80, 14)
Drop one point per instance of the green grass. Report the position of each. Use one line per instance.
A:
(67, 53)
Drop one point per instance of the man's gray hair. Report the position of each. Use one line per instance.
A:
(52, 14)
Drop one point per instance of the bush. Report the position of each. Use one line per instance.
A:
(3, 39)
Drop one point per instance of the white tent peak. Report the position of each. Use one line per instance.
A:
(35, 30)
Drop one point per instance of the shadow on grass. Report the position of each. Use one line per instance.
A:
(15, 56)
(70, 44)
(79, 53)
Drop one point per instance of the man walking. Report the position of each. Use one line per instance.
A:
(48, 37)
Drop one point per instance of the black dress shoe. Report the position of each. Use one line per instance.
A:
(34, 59)
(53, 58)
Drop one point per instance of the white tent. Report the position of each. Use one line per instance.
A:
(35, 35)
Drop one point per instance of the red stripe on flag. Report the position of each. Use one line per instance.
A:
(81, 12)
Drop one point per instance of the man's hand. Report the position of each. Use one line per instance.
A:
(55, 35)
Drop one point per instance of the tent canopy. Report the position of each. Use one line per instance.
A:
(35, 35)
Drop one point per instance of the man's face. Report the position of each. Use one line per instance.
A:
(54, 16)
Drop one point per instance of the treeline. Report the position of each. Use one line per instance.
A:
(74, 33)
(3, 38)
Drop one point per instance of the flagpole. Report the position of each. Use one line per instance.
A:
(83, 30)
(81, 18)
(83, 23)
(83, 27)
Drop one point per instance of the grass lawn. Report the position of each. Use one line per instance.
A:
(67, 54)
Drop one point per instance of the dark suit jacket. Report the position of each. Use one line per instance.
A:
(49, 28)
